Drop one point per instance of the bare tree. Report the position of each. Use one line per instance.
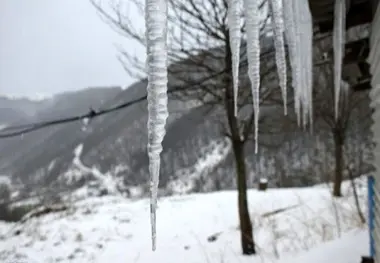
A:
(350, 105)
(200, 71)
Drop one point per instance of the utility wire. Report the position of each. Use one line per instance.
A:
(17, 130)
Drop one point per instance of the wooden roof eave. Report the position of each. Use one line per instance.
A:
(358, 12)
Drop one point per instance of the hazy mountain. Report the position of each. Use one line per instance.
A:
(13, 110)
(60, 105)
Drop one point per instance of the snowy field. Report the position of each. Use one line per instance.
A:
(290, 224)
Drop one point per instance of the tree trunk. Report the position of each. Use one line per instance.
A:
(246, 235)
(338, 144)
(356, 198)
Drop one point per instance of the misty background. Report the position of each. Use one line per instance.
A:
(52, 46)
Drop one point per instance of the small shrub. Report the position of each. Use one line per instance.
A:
(8, 212)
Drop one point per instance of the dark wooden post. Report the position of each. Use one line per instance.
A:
(263, 184)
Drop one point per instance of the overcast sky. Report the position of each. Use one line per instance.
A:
(50, 46)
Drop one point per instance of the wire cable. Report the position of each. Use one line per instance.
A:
(17, 130)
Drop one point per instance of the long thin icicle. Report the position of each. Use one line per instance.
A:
(308, 45)
(251, 11)
(234, 25)
(291, 39)
(305, 35)
(156, 36)
(275, 10)
(298, 35)
(338, 45)
(300, 59)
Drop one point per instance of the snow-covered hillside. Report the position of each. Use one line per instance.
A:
(193, 228)
(185, 180)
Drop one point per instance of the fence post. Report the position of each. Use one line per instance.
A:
(371, 214)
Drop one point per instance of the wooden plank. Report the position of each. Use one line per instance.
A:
(360, 12)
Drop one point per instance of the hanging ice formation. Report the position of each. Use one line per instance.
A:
(305, 29)
(338, 45)
(156, 35)
(234, 21)
(275, 10)
(296, 23)
(298, 29)
(251, 11)
(307, 42)
(291, 40)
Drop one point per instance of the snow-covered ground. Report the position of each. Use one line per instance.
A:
(194, 228)
(346, 249)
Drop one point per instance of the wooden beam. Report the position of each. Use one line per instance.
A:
(356, 51)
(360, 12)
(364, 68)
(362, 85)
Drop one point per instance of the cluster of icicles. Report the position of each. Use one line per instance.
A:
(292, 24)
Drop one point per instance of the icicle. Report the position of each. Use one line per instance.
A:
(251, 8)
(308, 45)
(291, 40)
(156, 34)
(338, 45)
(306, 38)
(299, 58)
(302, 57)
(234, 21)
(275, 10)
(298, 35)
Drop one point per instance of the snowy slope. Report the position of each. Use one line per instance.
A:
(182, 181)
(185, 180)
(105, 181)
(193, 228)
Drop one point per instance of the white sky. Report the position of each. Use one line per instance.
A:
(50, 46)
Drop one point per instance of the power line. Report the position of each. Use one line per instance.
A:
(17, 130)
